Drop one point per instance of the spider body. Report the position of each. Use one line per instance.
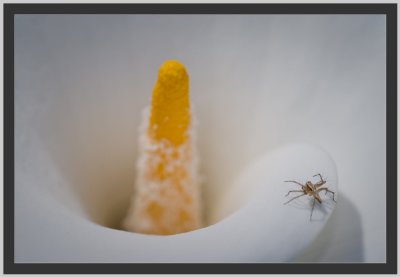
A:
(312, 190)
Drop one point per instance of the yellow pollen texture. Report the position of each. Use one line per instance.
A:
(170, 114)
(167, 197)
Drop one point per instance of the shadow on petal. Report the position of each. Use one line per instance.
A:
(341, 240)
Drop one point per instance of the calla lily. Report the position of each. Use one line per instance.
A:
(257, 85)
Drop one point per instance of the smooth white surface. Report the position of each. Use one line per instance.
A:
(256, 82)
(263, 181)
(253, 226)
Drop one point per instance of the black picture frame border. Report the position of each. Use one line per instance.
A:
(390, 267)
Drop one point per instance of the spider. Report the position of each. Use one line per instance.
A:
(312, 190)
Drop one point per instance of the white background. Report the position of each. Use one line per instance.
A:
(256, 82)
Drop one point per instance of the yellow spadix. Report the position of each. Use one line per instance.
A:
(167, 196)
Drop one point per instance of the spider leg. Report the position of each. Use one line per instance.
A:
(295, 183)
(293, 191)
(320, 176)
(326, 191)
(312, 209)
(320, 183)
(294, 198)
